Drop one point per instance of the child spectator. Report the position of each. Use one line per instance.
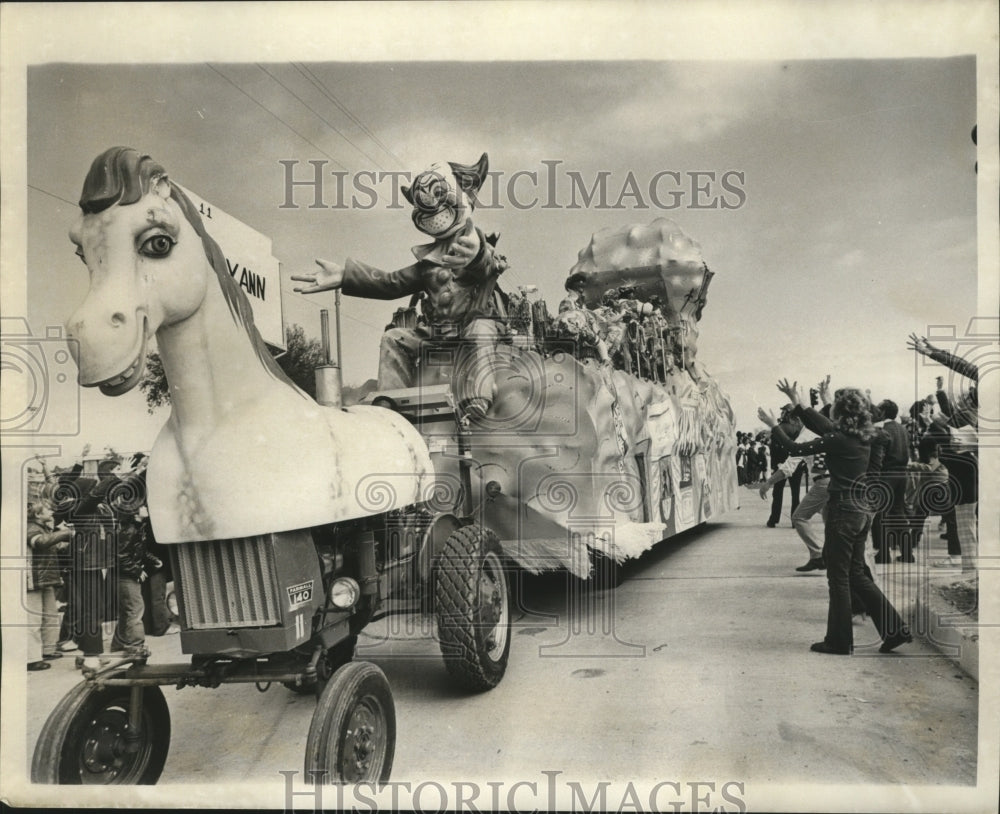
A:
(133, 562)
(43, 578)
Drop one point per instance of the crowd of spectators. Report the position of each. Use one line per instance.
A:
(96, 568)
(753, 457)
(877, 474)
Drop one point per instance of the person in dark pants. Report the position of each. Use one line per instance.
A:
(890, 524)
(963, 467)
(778, 456)
(927, 489)
(846, 442)
(763, 459)
(134, 564)
(92, 594)
(66, 498)
(963, 486)
(751, 464)
(93, 572)
(157, 619)
(741, 460)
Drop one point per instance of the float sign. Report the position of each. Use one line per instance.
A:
(249, 262)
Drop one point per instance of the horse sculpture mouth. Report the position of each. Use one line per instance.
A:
(130, 376)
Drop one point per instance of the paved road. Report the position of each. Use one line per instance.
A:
(697, 669)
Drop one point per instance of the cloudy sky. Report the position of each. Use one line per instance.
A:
(849, 220)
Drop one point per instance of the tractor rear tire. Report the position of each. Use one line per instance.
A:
(473, 605)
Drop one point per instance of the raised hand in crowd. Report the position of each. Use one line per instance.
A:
(790, 390)
(824, 391)
(920, 345)
(767, 416)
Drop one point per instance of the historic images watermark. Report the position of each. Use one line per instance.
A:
(963, 357)
(314, 185)
(549, 793)
(40, 393)
(977, 346)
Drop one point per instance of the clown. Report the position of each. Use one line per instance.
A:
(454, 278)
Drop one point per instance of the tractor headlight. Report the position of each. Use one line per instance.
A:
(344, 593)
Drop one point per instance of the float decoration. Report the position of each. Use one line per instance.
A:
(605, 433)
(244, 452)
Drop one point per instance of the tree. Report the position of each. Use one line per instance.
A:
(154, 383)
(299, 361)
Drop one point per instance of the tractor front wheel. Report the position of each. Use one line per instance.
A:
(89, 739)
(352, 735)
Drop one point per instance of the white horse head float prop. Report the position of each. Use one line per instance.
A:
(244, 451)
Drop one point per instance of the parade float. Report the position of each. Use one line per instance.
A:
(604, 433)
(499, 435)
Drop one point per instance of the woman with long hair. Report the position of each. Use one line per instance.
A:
(845, 440)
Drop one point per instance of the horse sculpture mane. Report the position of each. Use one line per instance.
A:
(122, 176)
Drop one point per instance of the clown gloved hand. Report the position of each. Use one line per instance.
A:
(329, 276)
(462, 250)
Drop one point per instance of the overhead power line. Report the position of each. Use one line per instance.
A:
(276, 116)
(326, 121)
(318, 83)
(74, 204)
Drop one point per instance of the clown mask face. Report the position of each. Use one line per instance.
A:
(443, 199)
(440, 207)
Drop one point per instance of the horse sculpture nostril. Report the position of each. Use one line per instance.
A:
(118, 319)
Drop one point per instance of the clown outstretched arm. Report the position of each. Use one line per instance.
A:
(469, 261)
(358, 279)
(471, 253)
(456, 277)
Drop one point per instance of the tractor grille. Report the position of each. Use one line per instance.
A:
(228, 583)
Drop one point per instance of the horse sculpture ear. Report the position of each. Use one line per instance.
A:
(407, 194)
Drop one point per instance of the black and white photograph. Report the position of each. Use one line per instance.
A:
(500, 406)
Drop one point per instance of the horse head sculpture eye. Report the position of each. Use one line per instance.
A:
(157, 246)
